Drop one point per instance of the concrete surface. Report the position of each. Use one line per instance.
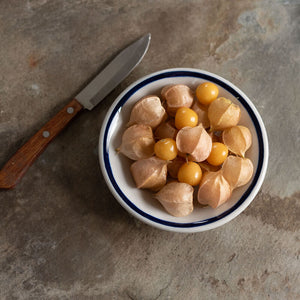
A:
(62, 234)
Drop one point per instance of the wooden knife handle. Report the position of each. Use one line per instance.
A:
(17, 166)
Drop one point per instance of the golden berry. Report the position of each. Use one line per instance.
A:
(190, 172)
(185, 117)
(207, 92)
(218, 154)
(165, 149)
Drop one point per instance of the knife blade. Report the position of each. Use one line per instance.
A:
(116, 71)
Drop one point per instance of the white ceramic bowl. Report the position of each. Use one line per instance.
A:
(140, 203)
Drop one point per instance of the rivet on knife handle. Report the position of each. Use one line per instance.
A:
(17, 166)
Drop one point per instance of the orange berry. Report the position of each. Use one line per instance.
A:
(218, 154)
(190, 172)
(207, 92)
(165, 149)
(185, 117)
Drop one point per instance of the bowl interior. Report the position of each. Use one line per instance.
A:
(118, 166)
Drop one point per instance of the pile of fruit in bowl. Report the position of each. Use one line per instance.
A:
(187, 144)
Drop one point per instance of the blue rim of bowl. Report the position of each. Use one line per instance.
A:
(200, 75)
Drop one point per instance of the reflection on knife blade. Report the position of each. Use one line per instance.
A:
(114, 73)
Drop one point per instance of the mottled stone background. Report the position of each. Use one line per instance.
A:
(62, 234)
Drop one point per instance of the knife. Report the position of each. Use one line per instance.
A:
(88, 98)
